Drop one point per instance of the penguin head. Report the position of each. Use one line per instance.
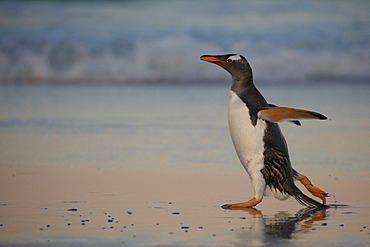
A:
(235, 64)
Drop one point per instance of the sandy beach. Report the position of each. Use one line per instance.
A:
(76, 207)
(75, 174)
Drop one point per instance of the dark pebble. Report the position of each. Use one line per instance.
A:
(324, 224)
(41, 229)
(116, 221)
(171, 233)
(313, 229)
(176, 213)
(124, 226)
(83, 224)
(231, 230)
(170, 203)
(111, 227)
(103, 227)
(364, 227)
(72, 209)
(82, 220)
(1, 224)
(157, 224)
(201, 227)
(242, 218)
(129, 212)
(68, 224)
(121, 230)
(47, 225)
(110, 220)
(341, 225)
(186, 230)
(132, 224)
(214, 235)
(185, 227)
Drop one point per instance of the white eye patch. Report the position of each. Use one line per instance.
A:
(234, 58)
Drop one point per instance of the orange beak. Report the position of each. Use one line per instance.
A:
(211, 59)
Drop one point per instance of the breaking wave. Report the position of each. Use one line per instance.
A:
(131, 51)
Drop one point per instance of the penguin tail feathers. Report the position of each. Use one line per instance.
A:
(306, 201)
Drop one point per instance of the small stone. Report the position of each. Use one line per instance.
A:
(176, 213)
(324, 224)
(129, 212)
(341, 225)
(72, 209)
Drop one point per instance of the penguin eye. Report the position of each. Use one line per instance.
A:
(229, 60)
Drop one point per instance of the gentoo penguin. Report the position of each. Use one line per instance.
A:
(258, 140)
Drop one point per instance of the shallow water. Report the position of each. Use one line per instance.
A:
(159, 160)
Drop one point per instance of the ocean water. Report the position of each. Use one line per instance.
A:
(136, 41)
(171, 127)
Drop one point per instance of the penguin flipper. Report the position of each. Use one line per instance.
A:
(279, 114)
(296, 122)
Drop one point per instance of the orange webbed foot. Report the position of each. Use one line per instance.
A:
(249, 204)
(314, 190)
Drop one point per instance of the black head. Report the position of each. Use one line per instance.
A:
(236, 65)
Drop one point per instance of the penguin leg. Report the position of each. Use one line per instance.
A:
(309, 186)
(251, 203)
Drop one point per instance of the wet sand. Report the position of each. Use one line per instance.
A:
(84, 166)
(77, 207)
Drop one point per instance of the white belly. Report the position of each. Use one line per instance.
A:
(247, 140)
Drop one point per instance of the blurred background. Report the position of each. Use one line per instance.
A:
(106, 105)
(162, 40)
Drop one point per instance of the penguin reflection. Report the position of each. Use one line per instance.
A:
(273, 230)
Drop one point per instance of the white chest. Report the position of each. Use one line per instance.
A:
(247, 139)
